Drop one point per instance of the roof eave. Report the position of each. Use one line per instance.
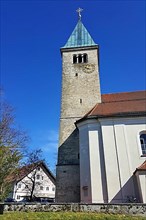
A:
(117, 115)
(68, 49)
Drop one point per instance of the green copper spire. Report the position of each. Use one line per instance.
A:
(80, 36)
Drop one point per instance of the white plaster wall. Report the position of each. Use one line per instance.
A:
(122, 155)
(95, 168)
(90, 169)
(85, 181)
(142, 179)
(111, 163)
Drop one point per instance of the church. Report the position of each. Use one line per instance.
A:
(102, 143)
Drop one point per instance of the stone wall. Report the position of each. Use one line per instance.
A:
(127, 209)
(80, 93)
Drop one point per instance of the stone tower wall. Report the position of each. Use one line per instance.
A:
(80, 92)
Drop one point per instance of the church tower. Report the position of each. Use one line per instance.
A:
(80, 93)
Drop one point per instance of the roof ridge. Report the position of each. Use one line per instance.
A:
(124, 92)
(122, 100)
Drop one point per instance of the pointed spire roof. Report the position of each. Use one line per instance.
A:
(79, 37)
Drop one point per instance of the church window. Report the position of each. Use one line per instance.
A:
(80, 58)
(143, 142)
(81, 101)
(85, 60)
(74, 58)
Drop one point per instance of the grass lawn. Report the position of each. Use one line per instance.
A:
(64, 216)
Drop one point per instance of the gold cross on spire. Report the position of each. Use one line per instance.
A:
(79, 10)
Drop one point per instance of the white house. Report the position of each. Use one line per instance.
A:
(36, 180)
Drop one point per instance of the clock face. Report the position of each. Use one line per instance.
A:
(88, 68)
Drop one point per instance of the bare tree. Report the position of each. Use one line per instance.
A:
(12, 143)
(29, 171)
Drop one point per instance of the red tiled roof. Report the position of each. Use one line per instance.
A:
(25, 170)
(119, 104)
(141, 168)
(20, 173)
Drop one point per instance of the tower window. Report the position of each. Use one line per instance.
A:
(81, 101)
(76, 74)
(85, 58)
(74, 58)
(80, 58)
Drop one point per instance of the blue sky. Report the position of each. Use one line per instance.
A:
(32, 33)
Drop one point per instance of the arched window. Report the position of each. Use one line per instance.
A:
(85, 58)
(143, 142)
(80, 58)
(74, 58)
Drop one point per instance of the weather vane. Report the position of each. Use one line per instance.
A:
(79, 10)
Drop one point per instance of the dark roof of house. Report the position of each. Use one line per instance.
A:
(119, 104)
(25, 170)
(142, 167)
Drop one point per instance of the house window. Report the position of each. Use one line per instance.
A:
(53, 188)
(19, 186)
(38, 177)
(26, 186)
(41, 187)
(80, 58)
(47, 188)
(18, 197)
(38, 168)
(143, 142)
(42, 177)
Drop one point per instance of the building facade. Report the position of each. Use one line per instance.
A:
(111, 150)
(36, 180)
(99, 145)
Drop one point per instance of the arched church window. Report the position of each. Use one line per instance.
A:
(85, 58)
(74, 58)
(80, 58)
(143, 142)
